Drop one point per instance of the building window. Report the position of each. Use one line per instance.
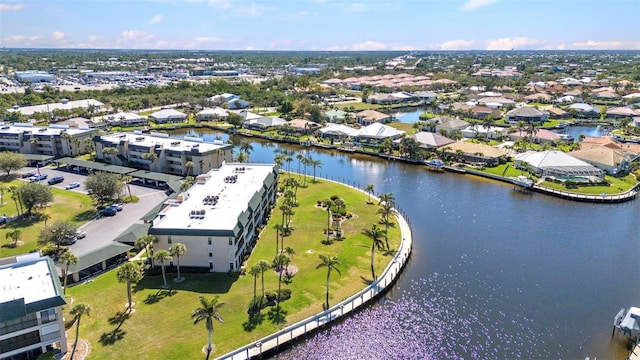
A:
(210, 254)
(169, 239)
(20, 341)
(47, 316)
(210, 265)
(230, 241)
(209, 240)
(230, 266)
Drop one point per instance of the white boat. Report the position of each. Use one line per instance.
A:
(435, 163)
(522, 180)
(628, 322)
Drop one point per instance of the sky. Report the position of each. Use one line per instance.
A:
(322, 24)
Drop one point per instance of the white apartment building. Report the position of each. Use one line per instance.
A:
(172, 154)
(54, 140)
(31, 297)
(217, 217)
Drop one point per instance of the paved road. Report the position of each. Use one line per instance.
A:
(102, 230)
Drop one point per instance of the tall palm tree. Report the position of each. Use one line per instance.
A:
(385, 212)
(315, 164)
(68, 259)
(129, 273)
(264, 266)
(111, 151)
(288, 159)
(387, 198)
(146, 242)
(14, 235)
(375, 233)
(246, 146)
(242, 157)
(126, 180)
(151, 157)
(299, 156)
(532, 130)
(189, 165)
(177, 250)
(77, 311)
(279, 230)
(161, 256)
(280, 263)
(207, 312)
(331, 263)
(305, 162)
(369, 189)
(328, 203)
(255, 271)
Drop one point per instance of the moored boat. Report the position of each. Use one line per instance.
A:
(522, 180)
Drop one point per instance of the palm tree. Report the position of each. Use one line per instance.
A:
(387, 198)
(151, 157)
(375, 233)
(246, 146)
(111, 151)
(280, 263)
(288, 159)
(369, 189)
(14, 235)
(146, 242)
(161, 256)
(255, 271)
(77, 311)
(242, 157)
(209, 310)
(264, 266)
(331, 263)
(126, 180)
(68, 259)
(328, 203)
(385, 211)
(299, 156)
(130, 272)
(189, 165)
(177, 250)
(532, 130)
(315, 164)
(279, 230)
(76, 141)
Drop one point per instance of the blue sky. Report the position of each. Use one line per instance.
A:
(322, 24)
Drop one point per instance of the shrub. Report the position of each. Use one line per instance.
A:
(272, 295)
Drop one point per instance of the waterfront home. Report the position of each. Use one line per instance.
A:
(217, 217)
(212, 114)
(445, 124)
(583, 110)
(264, 123)
(337, 131)
(621, 113)
(558, 164)
(368, 117)
(303, 127)
(611, 160)
(491, 132)
(471, 152)
(483, 112)
(426, 96)
(376, 133)
(540, 137)
(166, 116)
(430, 141)
(336, 116)
(527, 114)
(556, 113)
(496, 102)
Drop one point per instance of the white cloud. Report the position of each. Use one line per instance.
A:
(7, 7)
(606, 45)
(58, 35)
(370, 45)
(154, 20)
(515, 43)
(476, 4)
(224, 4)
(456, 45)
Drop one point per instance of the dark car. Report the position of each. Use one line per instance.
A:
(55, 180)
(108, 211)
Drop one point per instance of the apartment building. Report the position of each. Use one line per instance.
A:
(54, 140)
(217, 217)
(31, 298)
(172, 155)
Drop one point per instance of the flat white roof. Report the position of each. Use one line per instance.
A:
(166, 142)
(45, 108)
(233, 198)
(32, 281)
(40, 130)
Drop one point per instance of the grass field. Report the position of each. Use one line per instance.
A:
(617, 185)
(67, 205)
(161, 326)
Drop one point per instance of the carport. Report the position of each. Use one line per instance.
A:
(155, 177)
(96, 261)
(37, 159)
(96, 166)
(133, 233)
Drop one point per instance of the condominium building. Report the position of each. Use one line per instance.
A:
(217, 217)
(31, 297)
(172, 155)
(54, 140)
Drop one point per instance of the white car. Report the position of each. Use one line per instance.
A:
(80, 234)
(72, 185)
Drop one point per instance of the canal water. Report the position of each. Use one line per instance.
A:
(494, 273)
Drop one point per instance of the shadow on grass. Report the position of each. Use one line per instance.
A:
(23, 221)
(253, 321)
(206, 283)
(86, 215)
(161, 294)
(116, 334)
(277, 315)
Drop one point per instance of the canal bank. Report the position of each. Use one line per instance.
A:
(282, 339)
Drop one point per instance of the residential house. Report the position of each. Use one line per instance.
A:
(337, 132)
(233, 102)
(303, 127)
(376, 133)
(212, 114)
(426, 96)
(543, 98)
(31, 300)
(167, 116)
(558, 164)
(337, 116)
(217, 217)
(541, 136)
(430, 140)
(584, 111)
(474, 152)
(621, 113)
(491, 132)
(125, 119)
(264, 123)
(367, 117)
(446, 124)
(611, 160)
(527, 114)
(557, 113)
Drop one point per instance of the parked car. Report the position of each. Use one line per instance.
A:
(80, 234)
(69, 240)
(108, 211)
(3, 220)
(28, 174)
(55, 180)
(72, 185)
(117, 206)
(38, 177)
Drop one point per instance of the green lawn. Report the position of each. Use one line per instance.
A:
(161, 326)
(408, 127)
(67, 205)
(358, 106)
(617, 185)
(506, 170)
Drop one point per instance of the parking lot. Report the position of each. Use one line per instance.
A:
(102, 230)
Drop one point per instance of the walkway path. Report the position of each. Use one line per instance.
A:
(274, 341)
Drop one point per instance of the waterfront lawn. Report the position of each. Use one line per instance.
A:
(406, 127)
(161, 326)
(357, 106)
(506, 170)
(616, 185)
(71, 206)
